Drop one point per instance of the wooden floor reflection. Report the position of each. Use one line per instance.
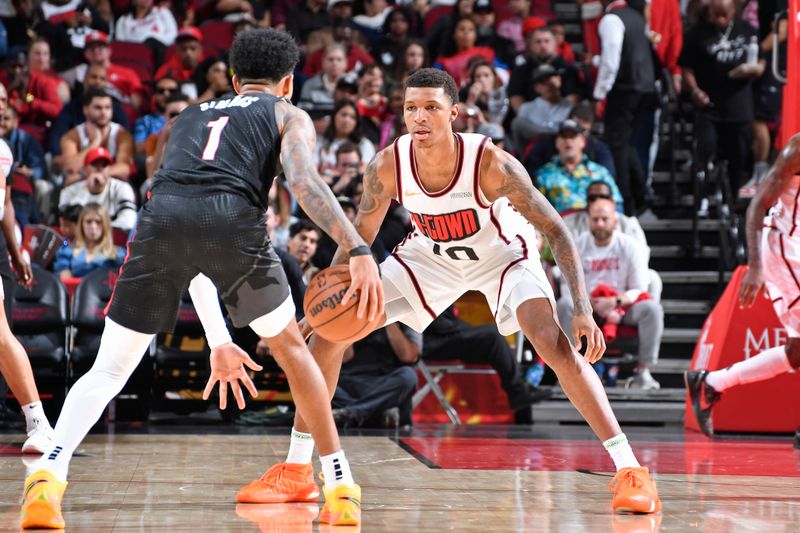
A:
(425, 482)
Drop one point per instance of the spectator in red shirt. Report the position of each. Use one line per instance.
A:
(33, 95)
(188, 55)
(666, 31)
(357, 56)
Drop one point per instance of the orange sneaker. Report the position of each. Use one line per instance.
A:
(634, 492)
(282, 483)
(342, 506)
(41, 503)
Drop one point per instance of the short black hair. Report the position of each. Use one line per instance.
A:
(583, 111)
(70, 212)
(303, 225)
(432, 77)
(345, 148)
(177, 96)
(263, 54)
(93, 92)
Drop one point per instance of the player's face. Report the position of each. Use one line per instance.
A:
(602, 219)
(428, 114)
(99, 111)
(92, 228)
(303, 246)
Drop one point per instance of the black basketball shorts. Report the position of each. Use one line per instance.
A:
(182, 233)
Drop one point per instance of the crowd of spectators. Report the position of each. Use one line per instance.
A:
(89, 85)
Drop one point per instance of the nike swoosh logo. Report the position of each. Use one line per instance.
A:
(355, 500)
(30, 487)
(411, 193)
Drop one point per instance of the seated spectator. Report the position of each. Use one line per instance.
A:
(39, 61)
(294, 274)
(396, 31)
(543, 115)
(97, 186)
(154, 122)
(512, 26)
(373, 106)
(485, 20)
(28, 169)
(307, 17)
(68, 222)
(188, 55)
(615, 268)
(436, 38)
(578, 223)
(563, 48)
(326, 246)
(99, 131)
(448, 337)
(377, 380)
(34, 95)
(413, 56)
(20, 25)
(93, 247)
(123, 83)
(66, 24)
(565, 179)
(156, 143)
(148, 24)
(303, 238)
(371, 22)
(72, 114)
(393, 125)
(540, 49)
(461, 50)
(356, 55)
(484, 94)
(211, 79)
(495, 132)
(596, 149)
(348, 170)
(345, 126)
(317, 92)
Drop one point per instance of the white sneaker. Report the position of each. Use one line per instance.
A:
(39, 439)
(643, 380)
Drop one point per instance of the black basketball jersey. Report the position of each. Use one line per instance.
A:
(229, 144)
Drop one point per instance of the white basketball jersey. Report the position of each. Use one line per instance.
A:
(458, 221)
(784, 214)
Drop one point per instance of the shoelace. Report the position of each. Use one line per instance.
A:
(625, 477)
(276, 473)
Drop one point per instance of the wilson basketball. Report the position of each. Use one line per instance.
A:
(332, 318)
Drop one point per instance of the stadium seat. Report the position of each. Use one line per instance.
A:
(218, 34)
(434, 14)
(40, 325)
(88, 320)
(129, 54)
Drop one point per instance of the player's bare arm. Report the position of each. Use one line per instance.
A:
(777, 179)
(379, 190)
(504, 175)
(317, 200)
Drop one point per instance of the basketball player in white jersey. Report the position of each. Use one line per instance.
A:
(773, 251)
(474, 209)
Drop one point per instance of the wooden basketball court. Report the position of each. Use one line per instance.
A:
(544, 478)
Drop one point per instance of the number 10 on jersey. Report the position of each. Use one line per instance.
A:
(213, 138)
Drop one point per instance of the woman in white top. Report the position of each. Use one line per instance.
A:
(145, 21)
(345, 126)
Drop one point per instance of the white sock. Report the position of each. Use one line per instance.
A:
(336, 470)
(620, 452)
(120, 351)
(301, 448)
(763, 366)
(34, 416)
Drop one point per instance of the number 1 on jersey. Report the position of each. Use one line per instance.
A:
(213, 137)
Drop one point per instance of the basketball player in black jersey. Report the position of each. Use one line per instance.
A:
(206, 215)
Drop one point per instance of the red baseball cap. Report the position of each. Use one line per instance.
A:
(96, 154)
(96, 36)
(532, 23)
(189, 32)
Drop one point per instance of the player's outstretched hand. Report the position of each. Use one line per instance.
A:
(227, 366)
(584, 325)
(365, 280)
(752, 284)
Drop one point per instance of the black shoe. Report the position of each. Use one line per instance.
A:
(343, 418)
(390, 418)
(10, 418)
(526, 396)
(703, 397)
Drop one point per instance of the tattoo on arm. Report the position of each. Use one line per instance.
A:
(517, 187)
(313, 194)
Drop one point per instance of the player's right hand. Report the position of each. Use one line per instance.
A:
(227, 366)
(365, 280)
(584, 325)
(752, 284)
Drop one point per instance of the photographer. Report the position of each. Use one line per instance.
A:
(347, 174)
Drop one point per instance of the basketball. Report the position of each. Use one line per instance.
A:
(331, 318)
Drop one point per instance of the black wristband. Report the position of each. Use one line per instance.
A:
(360, 250)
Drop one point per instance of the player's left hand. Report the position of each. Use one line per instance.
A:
(365, 280)
(227, 366)
(752, 283)
(23, 271)
(584, 325)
